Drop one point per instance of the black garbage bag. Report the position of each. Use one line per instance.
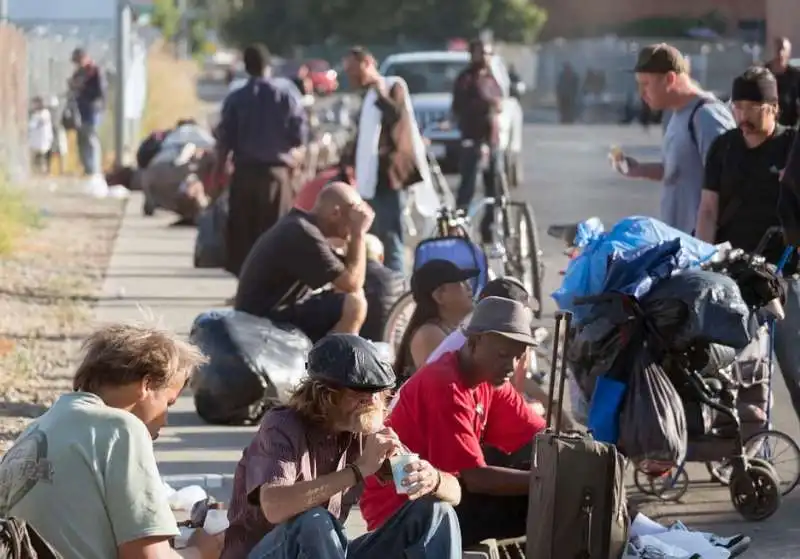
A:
(253, 364)
(210, 248)
(711, 303)
(653, 431)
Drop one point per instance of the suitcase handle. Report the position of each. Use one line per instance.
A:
(556, 375)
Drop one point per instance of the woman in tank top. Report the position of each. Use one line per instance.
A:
(443, 299)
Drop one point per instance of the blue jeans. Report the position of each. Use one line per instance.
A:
(89, 148)
(470, 168)
(388, 205)
(426, 528)
(787, 348)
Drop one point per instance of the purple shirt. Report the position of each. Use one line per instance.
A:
(261, 122)
(286, 449)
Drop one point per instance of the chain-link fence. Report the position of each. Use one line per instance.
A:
(36, 62)
(713, 64)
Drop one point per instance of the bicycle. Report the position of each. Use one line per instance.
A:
(517, 237)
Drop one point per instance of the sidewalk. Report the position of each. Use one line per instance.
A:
(151, 278)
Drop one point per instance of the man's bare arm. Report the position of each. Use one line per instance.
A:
(355, 263)
(281, 502)
(707, 216)
(495, 480)
(650, 171)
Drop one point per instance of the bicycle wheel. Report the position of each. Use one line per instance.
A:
(522, 259)
(397, 321)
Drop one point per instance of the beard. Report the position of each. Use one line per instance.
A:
(365, 420)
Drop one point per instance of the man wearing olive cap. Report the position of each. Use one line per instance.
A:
(296, 482)
(697, 118)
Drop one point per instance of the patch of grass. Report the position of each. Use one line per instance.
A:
(171, 90)
(16, 216)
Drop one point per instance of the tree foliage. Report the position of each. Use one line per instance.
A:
(284, 24)
(166, 17)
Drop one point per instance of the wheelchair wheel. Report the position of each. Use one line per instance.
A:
(670, 487)
(755, 494)
(397, 321)
(773, 448)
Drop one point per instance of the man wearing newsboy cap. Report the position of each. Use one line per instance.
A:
(298, 479)
(697, 119)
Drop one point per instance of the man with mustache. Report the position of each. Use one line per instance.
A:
(743, 197)
(296, 482)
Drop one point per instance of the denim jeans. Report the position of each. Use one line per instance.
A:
(388, 205)
(89, 148)
(426, 528)
(787, 346)
(470, 168)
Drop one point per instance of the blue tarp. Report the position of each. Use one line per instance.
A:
(625, 251)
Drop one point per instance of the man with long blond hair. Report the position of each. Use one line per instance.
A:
(297, 480)
(84, 474)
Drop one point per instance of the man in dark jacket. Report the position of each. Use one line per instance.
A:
(263, 126)
(788, 82)
(477, 99)
(88, 90)
(396, 159)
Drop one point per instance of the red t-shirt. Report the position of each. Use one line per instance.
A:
(445, 422)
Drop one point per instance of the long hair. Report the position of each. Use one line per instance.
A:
(315, 401)
(427, 310)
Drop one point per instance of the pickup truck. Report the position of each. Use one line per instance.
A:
(430, 76)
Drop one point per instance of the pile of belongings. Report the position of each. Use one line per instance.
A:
(177, 166)
(652, 309)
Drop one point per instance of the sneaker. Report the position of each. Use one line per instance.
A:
(736, 544)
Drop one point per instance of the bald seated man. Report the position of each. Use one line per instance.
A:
(293, 276)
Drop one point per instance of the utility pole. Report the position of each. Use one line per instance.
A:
(124, 21)
(3, 11)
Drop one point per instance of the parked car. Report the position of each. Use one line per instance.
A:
(430, 76)
(324, 78)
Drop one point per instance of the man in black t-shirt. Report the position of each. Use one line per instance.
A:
(743, 197)
(292, 275)
(788, 78)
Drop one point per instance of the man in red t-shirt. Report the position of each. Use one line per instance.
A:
(452, 407)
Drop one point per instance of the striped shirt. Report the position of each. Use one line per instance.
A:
(285, 450)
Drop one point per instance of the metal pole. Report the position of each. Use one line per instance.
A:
(124, 18)
(3, 11)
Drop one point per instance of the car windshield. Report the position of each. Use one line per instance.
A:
(428, 76)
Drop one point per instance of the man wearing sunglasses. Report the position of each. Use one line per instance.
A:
(743, 197)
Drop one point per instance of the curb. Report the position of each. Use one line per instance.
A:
(206, 481)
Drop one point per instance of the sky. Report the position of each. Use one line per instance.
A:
(64, 10)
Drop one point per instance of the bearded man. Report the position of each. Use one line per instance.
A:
(296, 482)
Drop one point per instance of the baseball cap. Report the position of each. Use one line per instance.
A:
(349, 361)
(436, 273)
(505, 317)
(508, 288)
(661, 58)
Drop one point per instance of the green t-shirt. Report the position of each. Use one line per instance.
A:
(85, 476)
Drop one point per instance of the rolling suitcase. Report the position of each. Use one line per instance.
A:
(577, 506)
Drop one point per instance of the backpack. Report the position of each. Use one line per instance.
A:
(19, 540)
(701, 103)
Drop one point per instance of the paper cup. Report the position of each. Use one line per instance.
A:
(398, 463)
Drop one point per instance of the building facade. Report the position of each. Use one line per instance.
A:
(569, 18)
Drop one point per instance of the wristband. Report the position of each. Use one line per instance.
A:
(356, 472)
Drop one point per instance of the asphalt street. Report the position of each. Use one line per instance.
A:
(567, 178)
